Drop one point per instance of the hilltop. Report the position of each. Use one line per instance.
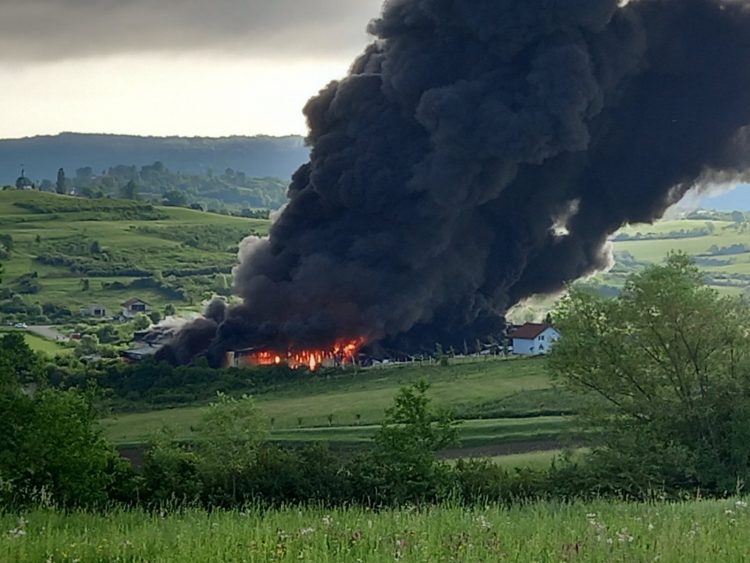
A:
(42, 156)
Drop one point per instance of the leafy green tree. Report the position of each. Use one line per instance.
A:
(668, 364)
(88, 345)
(171, 471)
(141, 322)
(412, 432)
(154, 317)
(129, 190)
(61, 183)
(50, 443)
(19, 365)
(169, 310)
(229, 434)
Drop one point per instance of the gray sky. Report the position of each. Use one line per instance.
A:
(160, 67)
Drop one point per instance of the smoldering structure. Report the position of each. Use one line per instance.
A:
(480, 152)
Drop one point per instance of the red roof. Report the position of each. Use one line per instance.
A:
(530, 331)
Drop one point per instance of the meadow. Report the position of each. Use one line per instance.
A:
(506, 405)
(135, 241)
(698, 531)
(42, 345)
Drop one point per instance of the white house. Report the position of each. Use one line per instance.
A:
(132, 307)
(533, 339)
(94, 311)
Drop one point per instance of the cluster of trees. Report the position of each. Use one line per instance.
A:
(705, 231)
(230, 190)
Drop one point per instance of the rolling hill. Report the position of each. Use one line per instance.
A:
(42, 156)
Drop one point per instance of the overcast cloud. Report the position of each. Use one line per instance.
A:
(49, 30)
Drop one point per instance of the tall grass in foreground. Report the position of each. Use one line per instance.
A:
(691, 531)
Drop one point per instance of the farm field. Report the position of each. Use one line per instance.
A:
(501, 402)
(184, 246)
(39, 344)
(549, 532)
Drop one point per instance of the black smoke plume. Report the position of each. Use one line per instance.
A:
(480, 152)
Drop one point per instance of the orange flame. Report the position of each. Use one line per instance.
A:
(341, 354)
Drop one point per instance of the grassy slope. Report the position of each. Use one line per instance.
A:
(62, 287)
(725, 234)
(472, 388)
(39, 344)
(596, 531)
(149, 251)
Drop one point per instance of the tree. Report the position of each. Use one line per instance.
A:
(169, 310)
(406, 443)
(230, 432)
(85, 284)
(154, 317)
(129, 190)
(141, 322)
(175, 198)
(668, 364)
(88, 345)
(19, 365)
(60, 184)
(95, 248)
(50, 442)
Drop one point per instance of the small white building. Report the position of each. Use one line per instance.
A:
(132, 307)
(534, 339)
(99, 311)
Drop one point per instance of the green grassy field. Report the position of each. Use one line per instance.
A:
(698, 531)
(39, 344)
(504, 396)
(141, 243)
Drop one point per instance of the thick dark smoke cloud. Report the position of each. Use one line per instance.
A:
(60, 29)
(445, 165)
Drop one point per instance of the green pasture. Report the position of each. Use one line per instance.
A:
(39, 344)
(698, 531)
(147, 251)
(501, 401)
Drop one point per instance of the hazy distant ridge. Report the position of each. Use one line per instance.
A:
(259, 156)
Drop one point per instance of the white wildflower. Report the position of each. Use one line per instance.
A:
(483, 523)
(623, 536)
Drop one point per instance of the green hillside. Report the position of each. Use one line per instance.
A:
(507, 405)
(123, 249)
(173, 255)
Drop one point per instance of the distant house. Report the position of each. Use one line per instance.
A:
(132, 307)
(99, 311)
(534, 339)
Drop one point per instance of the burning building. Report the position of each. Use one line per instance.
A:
(341, 354)
(480, 152)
